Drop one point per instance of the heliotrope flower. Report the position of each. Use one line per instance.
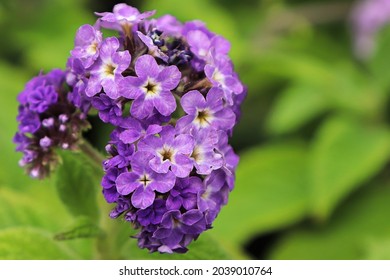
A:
(106, 73)
(142, 182)
(171, 92)
(368, 17)
(47, 120)
(151, 88)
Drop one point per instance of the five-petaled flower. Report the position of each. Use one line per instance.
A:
(151, 88)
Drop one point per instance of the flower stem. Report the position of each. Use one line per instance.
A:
(105, 243)
(95, 157)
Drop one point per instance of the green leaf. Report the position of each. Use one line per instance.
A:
(296, 106)
(11, 83)
(77, 186)
(347, 235)
(31, 244)
(270, 192)
(205, 248)
(50, 38)
(33, 206)
(82, 227)
(378, 250)
(344, 155)
(381, 56)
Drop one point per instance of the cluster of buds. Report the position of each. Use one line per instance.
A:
(47, 120)
(171, 93)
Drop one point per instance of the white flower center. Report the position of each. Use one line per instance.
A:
(109, 70)
(145, 180)
(151, 88)
(167, 153)
(197, 153)
(203, 118)
(92, 48)
(218, 77)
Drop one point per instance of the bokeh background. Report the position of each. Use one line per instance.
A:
(314, 139)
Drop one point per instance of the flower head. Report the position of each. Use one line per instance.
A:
(172, 94)
(47, 120)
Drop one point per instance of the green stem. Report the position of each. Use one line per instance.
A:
(95, 157)
(106, 248)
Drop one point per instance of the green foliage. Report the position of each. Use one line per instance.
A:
(261, 200)
(28, 243)
(296, 106)
(344, 155)
(11, 84)
(353, 232)
(379, 61)
(378, 249)
(82, 227)
(76, 185)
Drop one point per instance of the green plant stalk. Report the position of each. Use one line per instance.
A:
(105, 243)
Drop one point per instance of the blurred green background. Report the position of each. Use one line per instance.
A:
(314, 139)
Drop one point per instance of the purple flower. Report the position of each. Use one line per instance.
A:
(107, 71)
(109, 110)
(206, 112)
(41, 98)
(142, 181)
(121, 155)
(204, 155)
(153, 214)
(213, 196)
(29, 121)
(87, 44)
(151, 88)
(123, 17)
(175, 226)
(202, 45)
(109, 185)
(221, 74)
(184, 194)
(46, 120)
(368, 17)
(170, 25)
(76, 77)
(135, 130)
(122, 206)
(154, 50)
(170, 152)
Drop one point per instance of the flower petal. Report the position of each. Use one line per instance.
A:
(127, 182)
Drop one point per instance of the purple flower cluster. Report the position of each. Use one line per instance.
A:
(368, 17)
(172, 94)
(47, 120)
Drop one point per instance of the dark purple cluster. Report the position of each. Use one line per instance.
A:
(172, 94)
(47, 120)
